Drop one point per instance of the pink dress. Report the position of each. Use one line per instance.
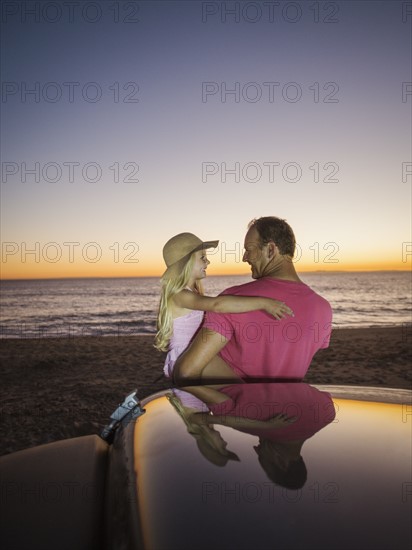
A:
(184, 328)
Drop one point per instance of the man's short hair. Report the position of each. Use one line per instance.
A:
(277, 230)
(294, 477)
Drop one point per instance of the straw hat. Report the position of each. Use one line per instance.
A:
(178, 249)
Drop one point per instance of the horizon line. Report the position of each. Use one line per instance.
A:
(214, 275)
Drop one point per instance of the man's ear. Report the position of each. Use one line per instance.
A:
(272, 250)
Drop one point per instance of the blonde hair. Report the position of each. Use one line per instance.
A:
(170, 287)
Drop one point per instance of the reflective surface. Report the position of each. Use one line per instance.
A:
(274, 466)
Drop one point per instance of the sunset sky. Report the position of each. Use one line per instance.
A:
(124, 123)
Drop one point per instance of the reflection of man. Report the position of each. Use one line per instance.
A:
(282, 415)
(253, 344)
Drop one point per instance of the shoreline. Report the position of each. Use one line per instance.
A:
(406, 329)
(70, 336)
(55, 388)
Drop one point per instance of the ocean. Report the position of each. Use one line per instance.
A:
(66, 308)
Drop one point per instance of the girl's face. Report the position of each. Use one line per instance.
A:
(200, 264)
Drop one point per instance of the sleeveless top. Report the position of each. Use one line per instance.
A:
(184, 329)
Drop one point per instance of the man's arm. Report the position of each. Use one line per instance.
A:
(200, 360)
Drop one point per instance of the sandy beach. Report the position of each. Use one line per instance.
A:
(58, 388)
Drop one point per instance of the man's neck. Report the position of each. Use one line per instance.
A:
(283, 268)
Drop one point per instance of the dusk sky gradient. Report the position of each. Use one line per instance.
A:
(353, 126)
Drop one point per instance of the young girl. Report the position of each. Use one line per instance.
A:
(182, 303)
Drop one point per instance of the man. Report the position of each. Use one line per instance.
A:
(281, 415)
(254, 345)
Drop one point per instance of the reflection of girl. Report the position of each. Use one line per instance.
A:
(200, 423)
(282, 415)
(209, 441)
(182, 302)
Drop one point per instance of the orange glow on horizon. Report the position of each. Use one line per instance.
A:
(43, 270)
(53, 260)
